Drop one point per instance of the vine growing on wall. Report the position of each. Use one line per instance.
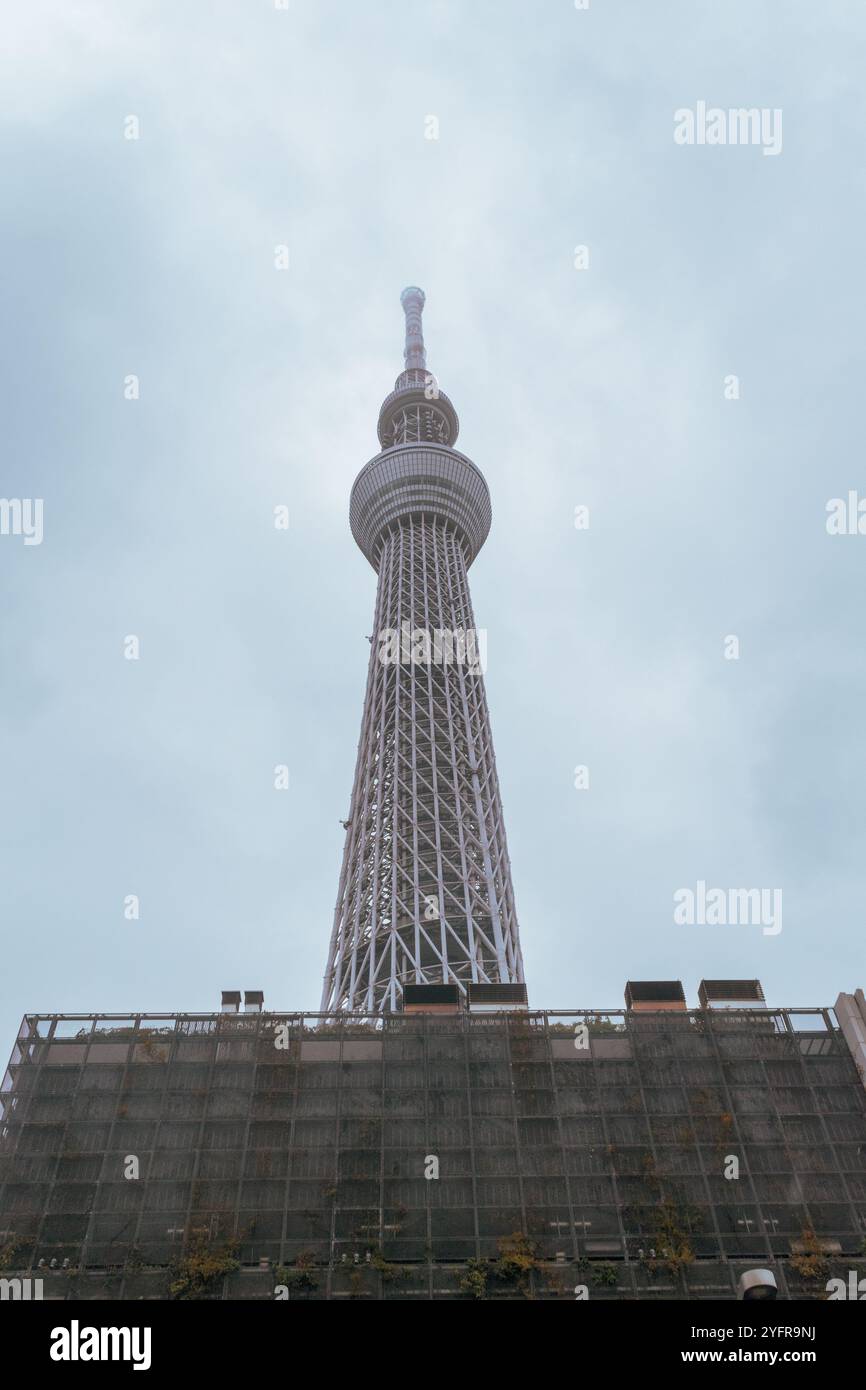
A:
(300, 1277)
(667, 1222)
(14, 1250)
(810, 1261)
(201, 1268)
(514, 1267)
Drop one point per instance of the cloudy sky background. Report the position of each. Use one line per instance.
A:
(605, 387)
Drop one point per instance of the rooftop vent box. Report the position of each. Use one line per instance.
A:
(431, 999)
(231, 1001)
(486, 999)
(647, 996)
(253, 1001)
(731, 994)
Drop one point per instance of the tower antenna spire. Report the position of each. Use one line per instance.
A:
(414, 353)
(416, 410)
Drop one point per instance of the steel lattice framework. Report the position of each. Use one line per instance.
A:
(425, 890)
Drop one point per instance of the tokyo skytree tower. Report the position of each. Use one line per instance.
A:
(425, 892)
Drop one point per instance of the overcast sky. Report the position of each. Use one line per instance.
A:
(603, 387)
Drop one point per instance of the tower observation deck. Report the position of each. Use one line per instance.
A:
(425, 893)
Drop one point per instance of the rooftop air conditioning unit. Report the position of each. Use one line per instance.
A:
(492, 999)
(731, 994)
(648, 996)
(431, 999)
